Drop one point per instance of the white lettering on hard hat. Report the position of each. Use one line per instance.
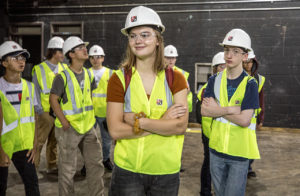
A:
(133, 18)
(230, 38)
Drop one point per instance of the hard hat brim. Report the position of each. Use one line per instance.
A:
(125, 30)
(223, 45)
(17, 53)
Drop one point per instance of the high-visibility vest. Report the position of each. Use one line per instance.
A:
(45, 77)
(261, 82)
(206, 121)
(79, 108)
(18, 129)
(227, 137)
(99, 94)
(190, 95)
(153, 154)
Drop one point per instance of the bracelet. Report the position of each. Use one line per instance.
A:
(136, 126)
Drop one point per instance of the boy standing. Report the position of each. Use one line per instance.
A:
(18, 138)
(231, 98)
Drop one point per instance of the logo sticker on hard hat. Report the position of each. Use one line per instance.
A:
(14, 46)
(95, 51)
(230, 38)
(171, 51)
(133, 18)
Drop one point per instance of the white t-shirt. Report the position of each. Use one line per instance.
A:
(98, 74)
(13, 93)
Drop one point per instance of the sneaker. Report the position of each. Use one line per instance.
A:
(83, 171)
(251, 174)
(108, 165)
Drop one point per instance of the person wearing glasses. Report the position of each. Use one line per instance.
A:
(43, 75)
(251, 67)
(101, 75)
(147, 112)
(218, 65)
(71, 101)
(18, 131)
(231, 98)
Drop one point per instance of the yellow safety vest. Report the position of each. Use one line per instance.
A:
(190, 95)
(18, 129)
(79, 108)
(227, 137)
(99, 94)
(153, 154)
(206, 121)
(45, 77)
(261, 82)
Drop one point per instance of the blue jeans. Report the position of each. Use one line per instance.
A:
(127, 183)
(105, 137)
(205, 171)
(229, 176)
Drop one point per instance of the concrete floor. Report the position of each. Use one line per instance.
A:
(278, 172)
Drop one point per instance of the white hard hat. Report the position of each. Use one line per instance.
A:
(12, 47)
(140, 16)
(96, 50)
(56, 42)
(72, 42)
(251, 54)
(238, 38)
(170, 51)
(218, 59)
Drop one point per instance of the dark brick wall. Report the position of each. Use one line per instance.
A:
(196, 30)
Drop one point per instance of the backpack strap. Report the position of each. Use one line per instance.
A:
(168, 71)
(170, 76)
(127, 75)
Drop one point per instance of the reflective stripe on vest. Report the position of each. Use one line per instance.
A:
(261, 82)
(99, 94)
(138, 155)
(128, 96)
(227, 137)
(78, 109)
(18, 129)
(72, 94)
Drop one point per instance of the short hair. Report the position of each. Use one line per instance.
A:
(51, 52)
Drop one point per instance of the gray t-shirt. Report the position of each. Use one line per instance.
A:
(58, 86)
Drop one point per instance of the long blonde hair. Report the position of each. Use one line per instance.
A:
(129, 60)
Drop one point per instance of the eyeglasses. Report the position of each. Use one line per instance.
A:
(143, 36)
(82, 47)
(17, 58)
(96, 57)
(234, 52)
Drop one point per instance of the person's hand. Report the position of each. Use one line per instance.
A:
(31, 155)
(210, 102)
(65, 125)
(129, 118)
(258, 126)
(234, 110)
(175, 111)
(4, 159)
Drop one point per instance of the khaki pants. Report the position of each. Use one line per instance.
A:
(90, 147)
(45, 131)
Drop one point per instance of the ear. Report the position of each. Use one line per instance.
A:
(71, 54)
(5, 64)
